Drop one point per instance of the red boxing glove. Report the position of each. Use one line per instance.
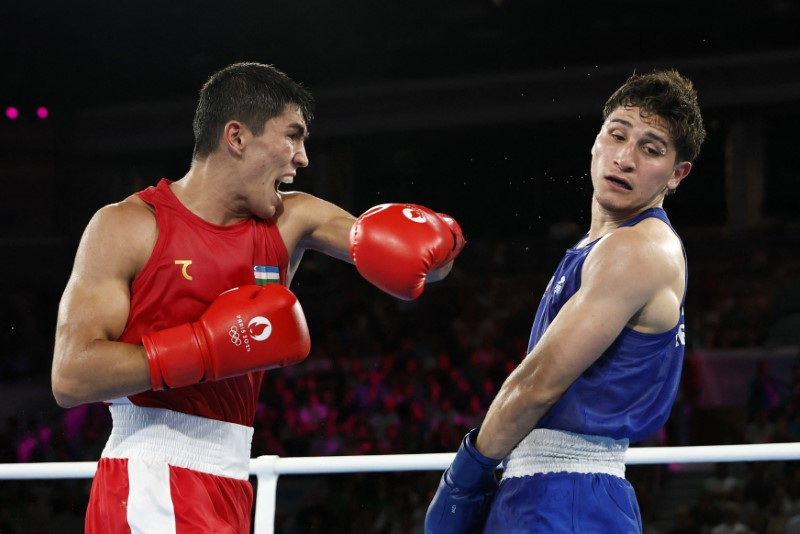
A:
(395, 246)
(249, 328)
(458, 235)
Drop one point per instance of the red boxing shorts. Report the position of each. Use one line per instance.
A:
(168, 472)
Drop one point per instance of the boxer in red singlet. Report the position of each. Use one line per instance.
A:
(179, 301)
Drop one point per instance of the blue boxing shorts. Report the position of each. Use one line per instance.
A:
(559, 482)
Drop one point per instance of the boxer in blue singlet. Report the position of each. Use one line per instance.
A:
(606, 348)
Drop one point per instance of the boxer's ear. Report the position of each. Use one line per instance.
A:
(234, 136)
(680, 172)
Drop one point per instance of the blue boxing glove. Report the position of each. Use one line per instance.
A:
(461, 503)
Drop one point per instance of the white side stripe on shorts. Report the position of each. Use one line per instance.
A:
(150, 508)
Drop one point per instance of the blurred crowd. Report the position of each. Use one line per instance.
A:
(390, 377)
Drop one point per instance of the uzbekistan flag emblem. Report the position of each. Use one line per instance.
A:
(266, 274)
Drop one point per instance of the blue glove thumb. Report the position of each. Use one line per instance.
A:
(465, 491)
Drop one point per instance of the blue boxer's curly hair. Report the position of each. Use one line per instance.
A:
(670, 96)
(249, 92)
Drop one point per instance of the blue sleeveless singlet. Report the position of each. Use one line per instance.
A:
(628, 392)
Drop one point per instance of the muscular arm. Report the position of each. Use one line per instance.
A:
(310, 223)
(628, 279)
(307, 222)
(88, 364)
(328, 228)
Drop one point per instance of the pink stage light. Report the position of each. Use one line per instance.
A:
(42, 112)
(12, 112)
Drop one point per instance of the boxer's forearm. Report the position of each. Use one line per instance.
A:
(524, 398)
(509, 419)
(99, 370)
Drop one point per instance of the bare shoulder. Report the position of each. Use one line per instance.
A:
(120, 235)
(300, 205)
(309, 222)
(132, 208)
(297, 214)
(131, 223)
(650, 245)
(642, 266)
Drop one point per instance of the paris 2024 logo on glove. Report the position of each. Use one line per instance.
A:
(414, 215)
(257, 329)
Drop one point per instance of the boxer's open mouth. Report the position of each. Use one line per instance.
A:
(619, 182)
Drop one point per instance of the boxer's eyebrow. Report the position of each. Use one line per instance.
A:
(648, 134)
(300, 130)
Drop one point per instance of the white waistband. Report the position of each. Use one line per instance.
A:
(181, 440)
(555, 451)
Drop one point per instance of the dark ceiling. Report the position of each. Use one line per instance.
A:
(92, 52)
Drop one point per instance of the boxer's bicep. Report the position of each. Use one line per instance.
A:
(98, 291)
(310, 223)
(93, 312)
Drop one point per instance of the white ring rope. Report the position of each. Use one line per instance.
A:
(426, 462)
(268, 468)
